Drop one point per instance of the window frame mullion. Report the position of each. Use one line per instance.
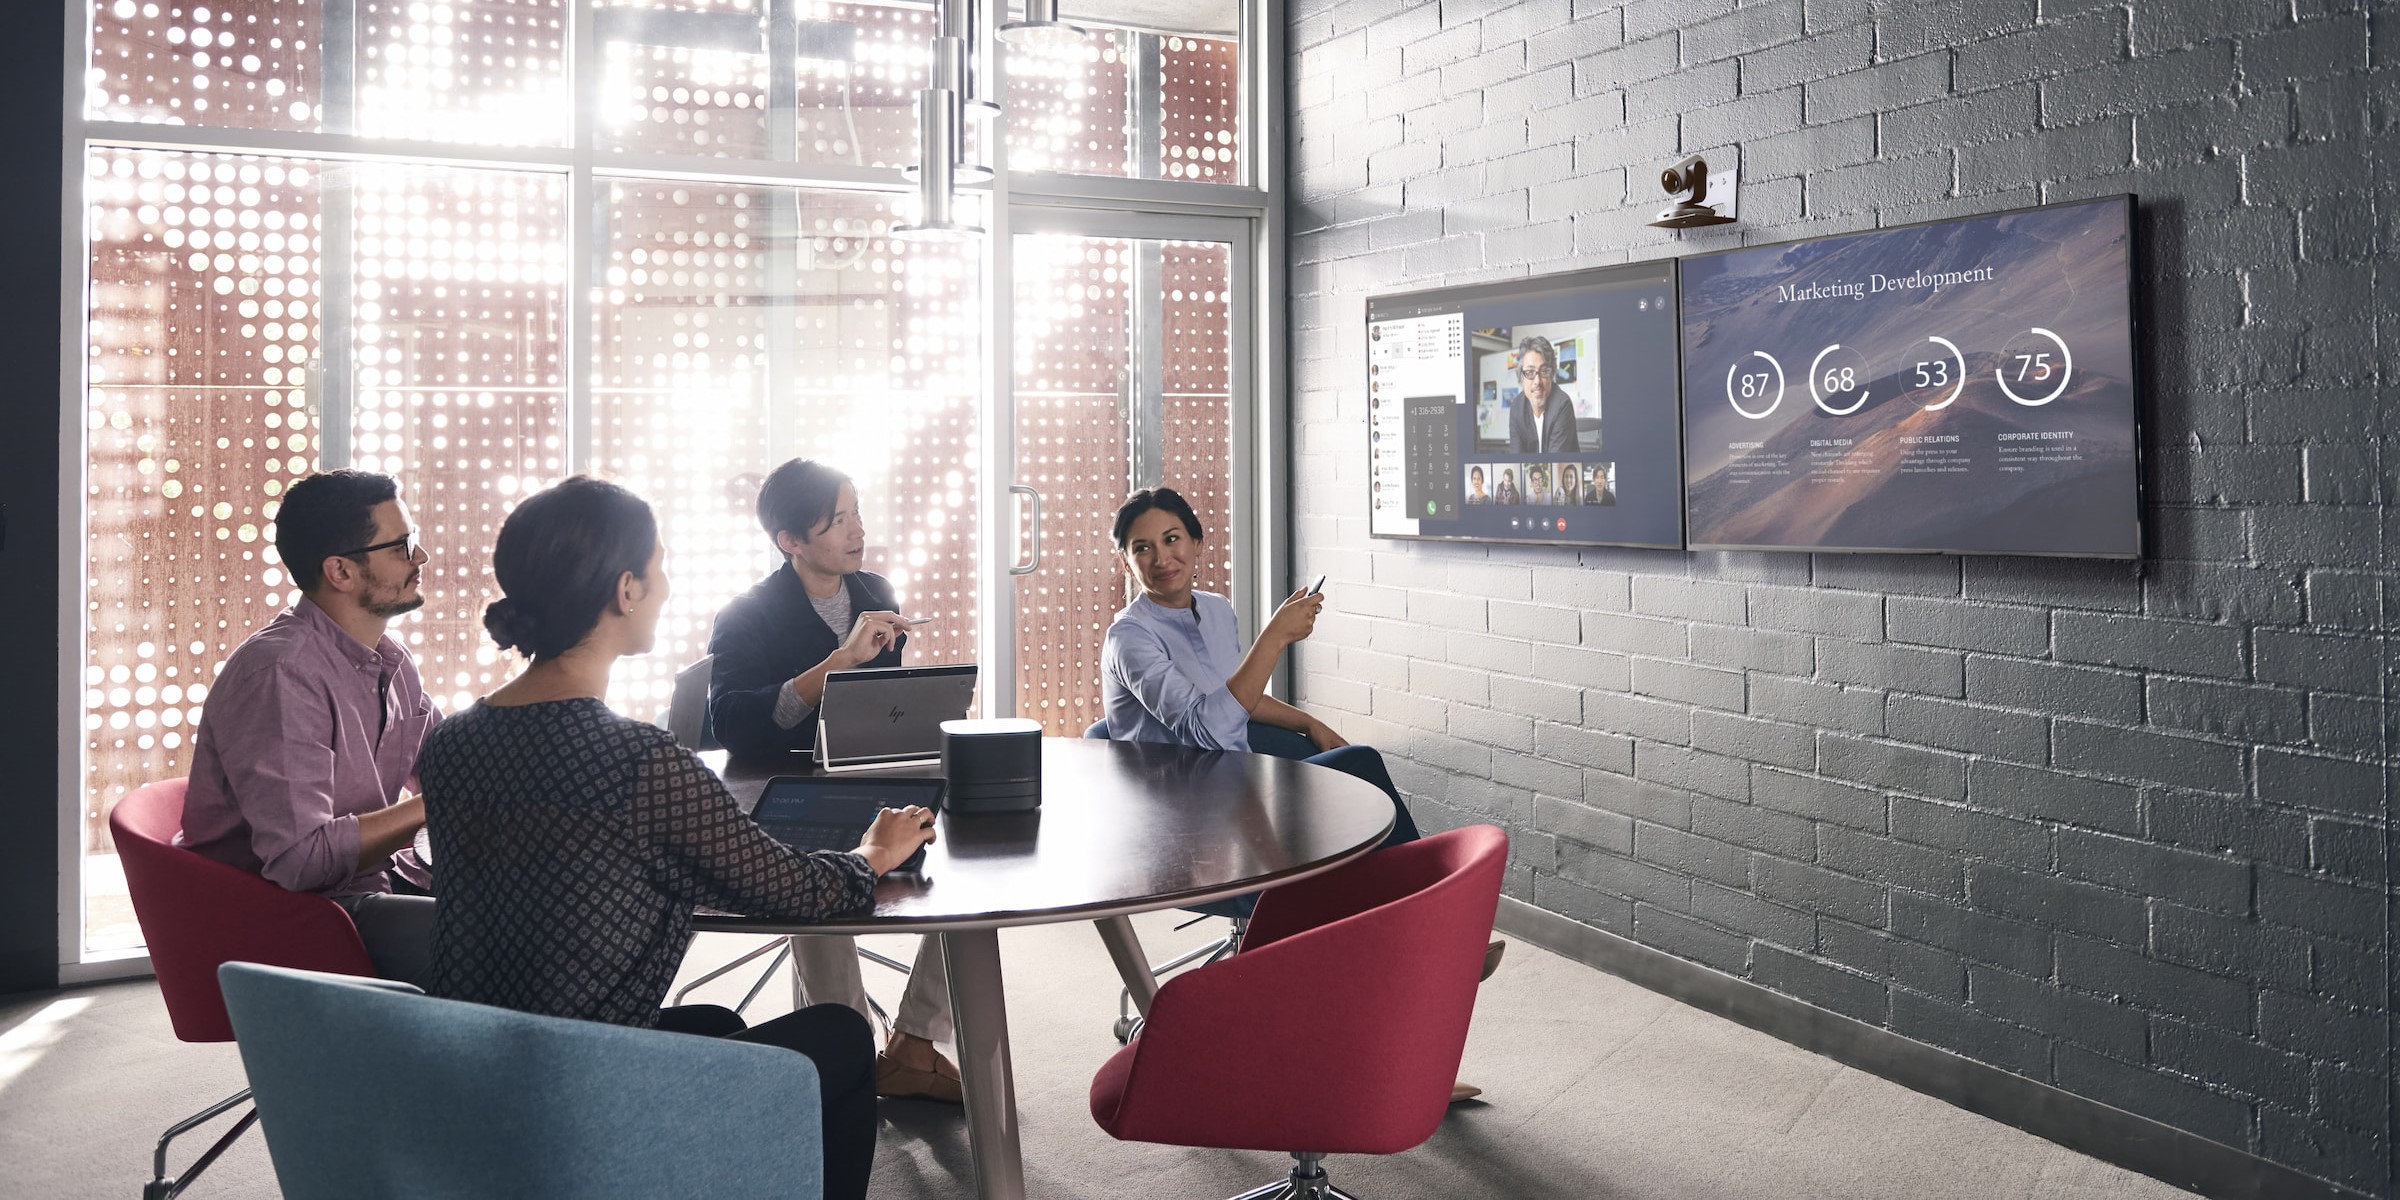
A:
(586, 236)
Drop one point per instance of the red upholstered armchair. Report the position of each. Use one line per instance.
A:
(1359, 982)
(197, 913)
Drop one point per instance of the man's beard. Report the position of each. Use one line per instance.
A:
(386, 606)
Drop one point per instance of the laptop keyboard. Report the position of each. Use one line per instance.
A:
(815, 837)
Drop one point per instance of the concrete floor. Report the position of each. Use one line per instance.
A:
(1593, 1089)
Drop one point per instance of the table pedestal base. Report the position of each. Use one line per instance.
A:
(1125, 948)
(980, 1011)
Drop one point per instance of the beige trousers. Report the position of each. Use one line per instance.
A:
(829, 974)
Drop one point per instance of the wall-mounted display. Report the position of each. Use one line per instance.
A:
(1963, 386)
(1536, 410)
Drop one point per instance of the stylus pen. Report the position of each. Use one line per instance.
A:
(919, 620)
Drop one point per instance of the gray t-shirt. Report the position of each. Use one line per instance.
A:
(790, 709)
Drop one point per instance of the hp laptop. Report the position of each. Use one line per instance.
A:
(890, 717)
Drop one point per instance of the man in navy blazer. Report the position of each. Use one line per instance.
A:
(1542, 421)
(820, 612)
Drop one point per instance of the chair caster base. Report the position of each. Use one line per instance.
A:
(1308, 1181)
(1288, 1190)
(163, 1186)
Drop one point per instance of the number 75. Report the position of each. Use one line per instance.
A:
(2038, 364)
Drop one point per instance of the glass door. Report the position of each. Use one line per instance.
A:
(1128, 373)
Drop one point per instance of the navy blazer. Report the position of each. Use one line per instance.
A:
(763, 639)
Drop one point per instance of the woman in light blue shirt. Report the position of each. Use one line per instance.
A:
(1173, 668)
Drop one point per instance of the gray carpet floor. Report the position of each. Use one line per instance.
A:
(1594, 1089)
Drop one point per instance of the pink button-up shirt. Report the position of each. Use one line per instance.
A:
(304, 730)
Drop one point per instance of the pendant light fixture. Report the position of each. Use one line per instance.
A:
(954, 64)
(936, 173)
(941, 128)
(965, 20)
(1040, 27)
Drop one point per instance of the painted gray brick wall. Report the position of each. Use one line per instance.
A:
(2125, 829)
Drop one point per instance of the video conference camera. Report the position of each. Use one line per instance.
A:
(1691, 179)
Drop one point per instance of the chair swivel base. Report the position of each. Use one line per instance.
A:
(163, 1186)
(1307, 1182)
(781, 947)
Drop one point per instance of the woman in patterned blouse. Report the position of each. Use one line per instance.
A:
(572, 843)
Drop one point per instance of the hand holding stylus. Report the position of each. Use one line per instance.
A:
(1296, 618)
(872, 634)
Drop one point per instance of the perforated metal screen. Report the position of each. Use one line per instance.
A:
(1196, 393)
(1078, 108)
(448, 70)
(197, 419)
(694, 77)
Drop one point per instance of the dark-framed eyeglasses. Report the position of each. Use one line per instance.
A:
(406, 544)
(1545, 371)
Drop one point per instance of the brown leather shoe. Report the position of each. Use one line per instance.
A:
(1463, 1091)
(912, 1083)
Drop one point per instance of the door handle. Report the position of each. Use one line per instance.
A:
(1033, 563)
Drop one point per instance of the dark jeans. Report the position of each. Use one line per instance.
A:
(397, 928)
(1363, 762)
(837, 1040)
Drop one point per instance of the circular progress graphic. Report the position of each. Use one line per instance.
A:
(2031, 359)
(1754, 385)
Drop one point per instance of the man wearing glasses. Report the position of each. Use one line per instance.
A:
(308, 738)
(1543, 421)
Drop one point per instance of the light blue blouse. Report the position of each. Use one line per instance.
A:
(1163, 673)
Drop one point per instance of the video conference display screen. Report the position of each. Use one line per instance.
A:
(1961, 386)
(1536, 410)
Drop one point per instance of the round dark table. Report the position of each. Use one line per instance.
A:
(1124, 827)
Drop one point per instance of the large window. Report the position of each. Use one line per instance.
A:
(481, 244)
(207, 396)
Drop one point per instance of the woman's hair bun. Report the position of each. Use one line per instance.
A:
(510, 625)
(558, 560)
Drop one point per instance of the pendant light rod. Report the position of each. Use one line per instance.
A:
(937, 134)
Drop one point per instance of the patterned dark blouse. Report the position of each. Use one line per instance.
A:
(570, 846)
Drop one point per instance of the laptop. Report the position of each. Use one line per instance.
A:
(817, 812)
(890, 717)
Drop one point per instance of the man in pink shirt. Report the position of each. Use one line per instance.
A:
(308, 740)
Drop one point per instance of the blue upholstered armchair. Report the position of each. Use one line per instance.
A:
(369, 1088)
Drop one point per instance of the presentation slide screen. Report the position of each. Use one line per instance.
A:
(1960, 387)
(1535, 410)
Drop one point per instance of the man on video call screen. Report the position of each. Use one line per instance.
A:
(1545, 421)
